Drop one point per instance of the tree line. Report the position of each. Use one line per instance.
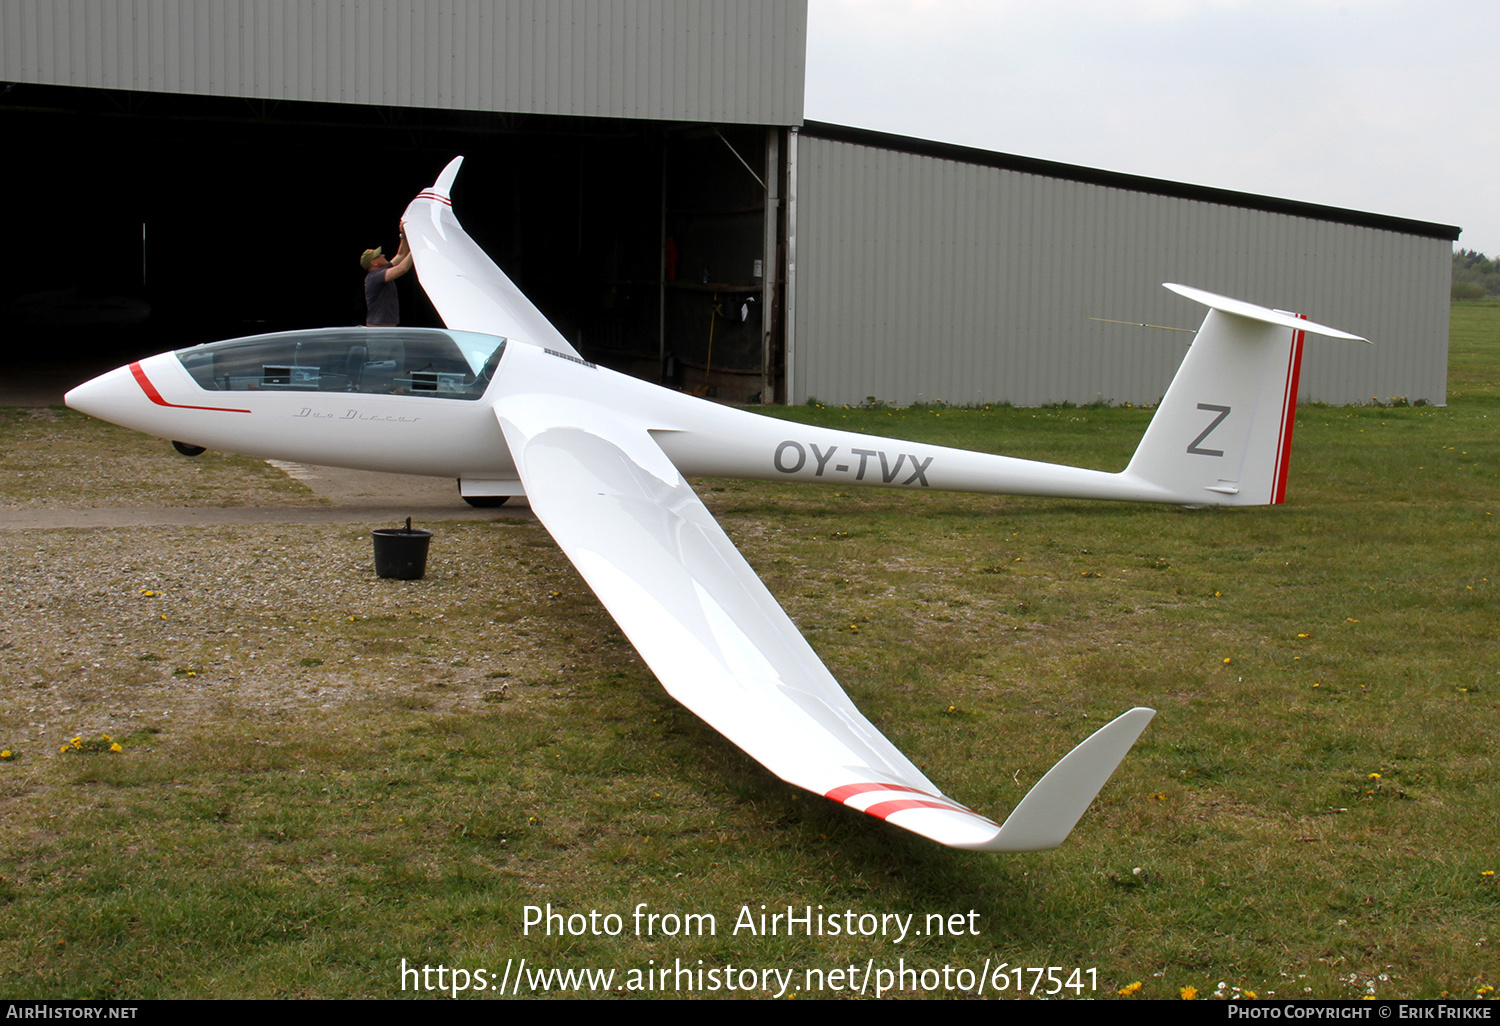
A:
(1475, 275)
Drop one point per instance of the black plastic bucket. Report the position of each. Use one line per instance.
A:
(401, 552)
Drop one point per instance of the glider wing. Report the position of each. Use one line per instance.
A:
(722, 646)
(470, 292)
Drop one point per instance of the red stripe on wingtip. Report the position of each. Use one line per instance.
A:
(155, 396)
(880, 810)
(841, 794)
(430, 195)
(1288, 415)
(885, 810)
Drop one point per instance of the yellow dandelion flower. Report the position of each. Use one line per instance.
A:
(1373, 776)
(1129, 989)
(1226, 660)
(1487, 872)
(6, 754)
(116, 747)
(1188, 993)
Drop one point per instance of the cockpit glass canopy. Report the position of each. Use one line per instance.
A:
(431, 362)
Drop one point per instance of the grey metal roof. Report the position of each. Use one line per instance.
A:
(1120, 180)
(690, 60)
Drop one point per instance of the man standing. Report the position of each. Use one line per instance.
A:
(382, 306)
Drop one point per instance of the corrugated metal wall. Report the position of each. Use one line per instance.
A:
(920, 278)
(688, 60)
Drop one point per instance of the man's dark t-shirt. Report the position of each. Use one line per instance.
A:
(382, 306)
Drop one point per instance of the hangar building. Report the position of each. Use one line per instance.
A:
(191, 171)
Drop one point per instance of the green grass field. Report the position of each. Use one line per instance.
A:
(322, 774)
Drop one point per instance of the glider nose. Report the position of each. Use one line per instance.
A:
(111, 396)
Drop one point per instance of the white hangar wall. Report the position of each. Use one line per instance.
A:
(684, 60)
(921, 277)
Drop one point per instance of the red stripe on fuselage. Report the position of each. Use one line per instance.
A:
(155, 396)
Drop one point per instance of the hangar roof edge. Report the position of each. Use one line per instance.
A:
(1121, 180)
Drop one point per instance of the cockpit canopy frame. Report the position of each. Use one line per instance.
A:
(429, 362)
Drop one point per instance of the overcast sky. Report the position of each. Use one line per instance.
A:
(1389, 106)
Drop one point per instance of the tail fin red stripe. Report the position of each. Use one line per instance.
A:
(1288, 415)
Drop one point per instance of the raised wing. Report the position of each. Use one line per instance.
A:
(470, 292)
(720, 644)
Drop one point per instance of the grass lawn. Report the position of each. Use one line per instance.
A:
(323, 774)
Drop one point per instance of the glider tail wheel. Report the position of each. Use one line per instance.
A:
(189, 450)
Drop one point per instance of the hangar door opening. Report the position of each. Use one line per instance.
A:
(645, 242)
(723, 262)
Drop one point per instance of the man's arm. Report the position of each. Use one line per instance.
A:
(402, 263)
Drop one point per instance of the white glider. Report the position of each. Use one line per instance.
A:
(500, 401)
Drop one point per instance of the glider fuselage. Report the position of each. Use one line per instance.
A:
(278, 396)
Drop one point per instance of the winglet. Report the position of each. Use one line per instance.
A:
(1050, 810)
(444, 184)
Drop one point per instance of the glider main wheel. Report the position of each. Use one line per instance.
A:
(485, 501)
(189, 450)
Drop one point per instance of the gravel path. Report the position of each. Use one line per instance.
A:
(349, 497)
(144, 619)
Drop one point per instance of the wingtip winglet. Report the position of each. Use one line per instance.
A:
(1053, 807)
(444, 184)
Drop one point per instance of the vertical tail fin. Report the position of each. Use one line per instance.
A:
(1223, 432)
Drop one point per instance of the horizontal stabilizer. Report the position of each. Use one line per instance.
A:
(1265, 315)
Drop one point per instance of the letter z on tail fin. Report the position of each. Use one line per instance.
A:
(1223, 433)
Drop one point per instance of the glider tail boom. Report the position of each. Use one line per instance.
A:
(1223, 433)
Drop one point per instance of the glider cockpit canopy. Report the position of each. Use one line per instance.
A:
(377, 361)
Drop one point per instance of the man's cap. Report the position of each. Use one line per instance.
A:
(368, 257)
